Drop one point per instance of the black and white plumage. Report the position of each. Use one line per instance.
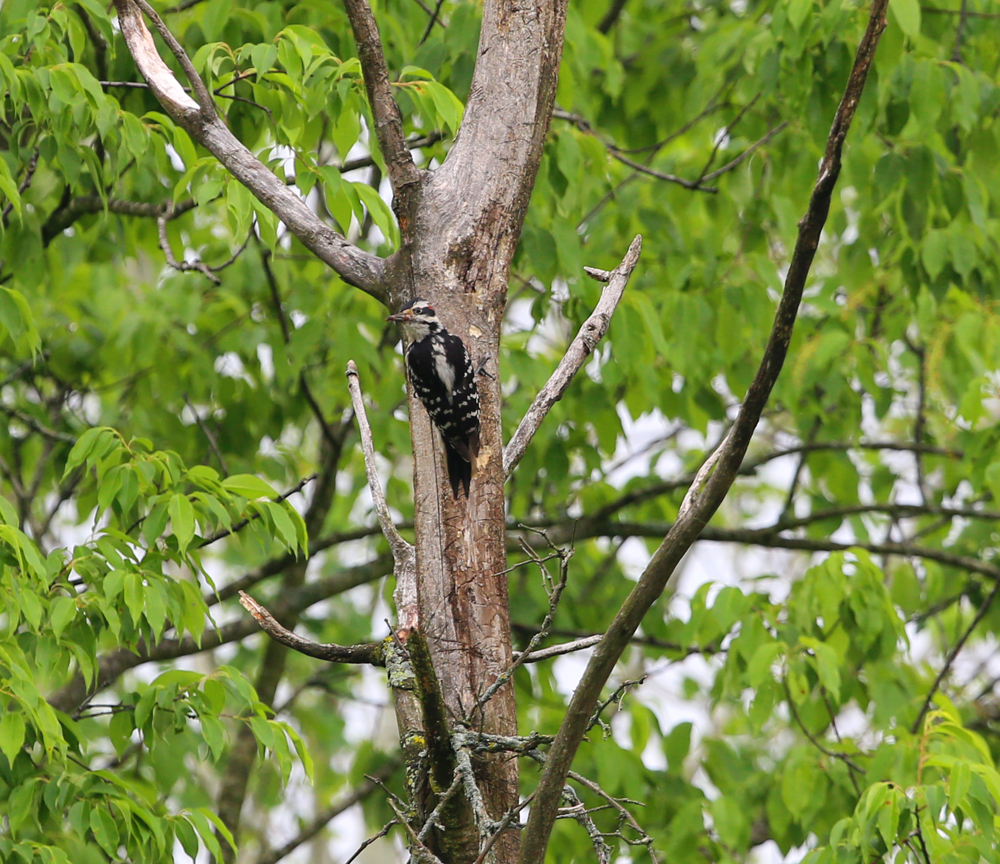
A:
(444, 380)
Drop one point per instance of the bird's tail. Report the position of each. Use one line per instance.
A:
(459, 469)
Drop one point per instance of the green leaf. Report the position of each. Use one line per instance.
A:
(61, 613)
(181, 519)
(214, 734)
(907, 15)
(12, 731)
(105, 831)
(934, 251)
(249, 486)
(798, 11)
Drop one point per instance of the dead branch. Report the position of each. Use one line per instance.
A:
(111, 665)
(554, 592)
(202, 121)
(579, 350)
(370, 653)
(401, 549)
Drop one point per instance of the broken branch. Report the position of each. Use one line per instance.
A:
(579, 350)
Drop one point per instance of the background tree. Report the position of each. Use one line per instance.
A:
(179, 429)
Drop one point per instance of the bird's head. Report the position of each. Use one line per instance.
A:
(417, 318)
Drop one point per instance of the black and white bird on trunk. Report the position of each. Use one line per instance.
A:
(444, 380)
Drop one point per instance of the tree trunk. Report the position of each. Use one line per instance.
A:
(460, 229)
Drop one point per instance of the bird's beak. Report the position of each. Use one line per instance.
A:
(400, 316)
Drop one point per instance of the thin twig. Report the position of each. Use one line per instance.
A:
(617, 696)
(323, 818)
(723, 136)
(644, 838)
(385, 829)
(335, 438)
(168, 252)
(37, 426)
(432, 820)
(502, 826)
(555, 593)
(433, 20)
(789, 508)
(760, 142)
(369, 653)
(212, 442)
(826, 751)
(219, 535)
(983, 609)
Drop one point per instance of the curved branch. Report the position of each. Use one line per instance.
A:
(201, 120)
(716, 477)
(370, 652)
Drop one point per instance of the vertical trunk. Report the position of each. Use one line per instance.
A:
(460, 230)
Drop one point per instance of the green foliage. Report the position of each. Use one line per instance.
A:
(791, 698)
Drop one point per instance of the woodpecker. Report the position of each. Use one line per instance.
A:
(444, 380)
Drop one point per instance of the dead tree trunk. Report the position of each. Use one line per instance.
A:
(460, 231)
(459, 226)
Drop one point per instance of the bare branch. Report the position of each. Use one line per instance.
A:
(370, 653)
(402, 551)
(558, 650)
(168, 253)
(399, 163)
(212, 442)
(202, 121)
(555, 593)
(433, 20)
(61, 218)
(579, 350)
(852, 766)
(502, 826)
(714, 480)
(37, 426)
(113, 664)
(432, 820)
(628, 818)
(578, 812)
(385, 829)
(760, 142)
(987, 603)
(750, 466)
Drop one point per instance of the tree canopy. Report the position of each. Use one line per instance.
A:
(178, 428)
